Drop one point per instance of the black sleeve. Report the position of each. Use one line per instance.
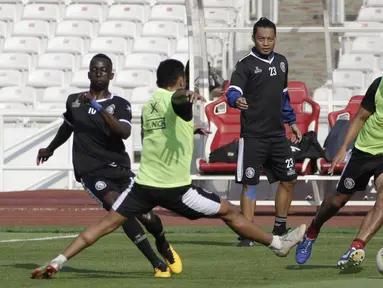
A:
(68, 113)
(123, 111)
(185, 110)
(368, 101)
(239, 77)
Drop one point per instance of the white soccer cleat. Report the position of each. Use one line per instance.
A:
(289, 240)
(379, 261)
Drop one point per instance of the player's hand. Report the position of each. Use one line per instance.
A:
(338, 159)
(296, 135)
(86, 96)
(241, 103)
(43, 155)
(202, 131)
(194, 97)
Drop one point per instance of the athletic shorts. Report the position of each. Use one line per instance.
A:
(101, 182)
(190, 201)
(359, 169)
(274, 155)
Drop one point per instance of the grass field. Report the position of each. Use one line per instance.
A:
(209, 255)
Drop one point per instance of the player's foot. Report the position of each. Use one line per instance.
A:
(45, 272)
(173, 260)
(162, 271)
(289, 240)
(246, 243)
(303, 252)
(352, 258)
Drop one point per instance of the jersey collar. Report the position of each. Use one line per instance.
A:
(265, 58)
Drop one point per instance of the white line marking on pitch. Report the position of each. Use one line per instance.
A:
(38, 239)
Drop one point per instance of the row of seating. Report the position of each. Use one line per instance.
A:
(224, 122)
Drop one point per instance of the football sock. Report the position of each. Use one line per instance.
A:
(61, 260)
(276, 243)
(154, 226)
(135, 232)
(358, 244)
(279, 225)
(313, 231)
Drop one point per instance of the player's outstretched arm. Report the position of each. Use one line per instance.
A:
(182, 102)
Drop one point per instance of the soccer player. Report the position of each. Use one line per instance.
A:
(164, 178)
(100, 121)
(366, 161)
(258, 87)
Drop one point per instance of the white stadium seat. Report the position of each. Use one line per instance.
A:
(183, 57)
(324, 93)
(57, 96)
(218, 3)
(166, 29)
(140, 96)
(223, 16)
(182, 45)
(134, 78)
(348, 79)
(8, 12)
(125, 29)
(127, 12)
(370, 14)
(87, 12)
(168, 13)
(18, 61)
(116, 45)
(177, 2)
(85, 61)
(61, 61)
(146, 2)
(41, 11)
(119, 91)
(33, 28)
(373, 3)
(356, 24)
(74, 45)
(380, 63)
(142, 61)
(16, 94)
(10, 78)
(363, 62)
(99, 2)
(22, 45)
(367, 45)
(152, 45)
(45, 78)
(80, 78)
(3, 29)
(76, 28)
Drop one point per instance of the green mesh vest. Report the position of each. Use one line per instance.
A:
(167, 144)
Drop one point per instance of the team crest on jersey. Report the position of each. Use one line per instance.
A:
(349, 183)
(100, 185)
(110, 109)
(257, 70)
(250, 172)
(76, 104)
(283, 67)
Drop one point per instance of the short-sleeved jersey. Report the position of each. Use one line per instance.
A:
(262, 82)
(167, 146)
(370, 137)
(94, 145)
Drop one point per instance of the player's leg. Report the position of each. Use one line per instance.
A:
(355, 177)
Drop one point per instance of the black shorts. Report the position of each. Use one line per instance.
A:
(359, 169)
(190, 201)
(274, 155)
(101, 182)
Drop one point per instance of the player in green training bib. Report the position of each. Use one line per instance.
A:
(366, 161)
(164, 175)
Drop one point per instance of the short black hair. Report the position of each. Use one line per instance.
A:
(168, 73)
(104, 57)
(263, 22)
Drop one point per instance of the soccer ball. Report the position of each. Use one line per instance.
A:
(379, 261)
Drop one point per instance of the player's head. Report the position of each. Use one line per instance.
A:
(171, 75)
(100, 72)
(264, 35)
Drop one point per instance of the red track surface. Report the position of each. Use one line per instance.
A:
(77, 208)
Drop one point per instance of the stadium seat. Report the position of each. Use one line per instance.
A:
(144, 61)
(176, 2)
(80, 78)
(152, 45)
(168, 13)
(323, 94)
(219, 3)
(31, 28)
(10, 77)
(127, 12)
(41, 11)
(88, 12)
(140, 96)
(370, 14)
(131, 78)
(17, 61)
(182, 45)
(116, 45)
(85, 61)
(74, 28)
(3, 30)
(183, 57)
(41, 78)
(373, 3)
(8, 12)
(61, 61)
(347, 113)
(359, 62)
(22, 45)
(356, 24)
(167, 29)
(348, 79)
(16, 97)
(55, 97)
(367, 45)
(67, 44)
(125, 29)
(99, 2)
(118, 91)
(224, 122)
(145, 2)
(223, 16)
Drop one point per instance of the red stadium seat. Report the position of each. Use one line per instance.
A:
(346, 113)
(224, 123)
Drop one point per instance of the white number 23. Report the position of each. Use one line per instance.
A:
(289, 163)
(273, 71)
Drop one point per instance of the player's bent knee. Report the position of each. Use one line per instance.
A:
(289, 185)
(338, 200)
(228, 211)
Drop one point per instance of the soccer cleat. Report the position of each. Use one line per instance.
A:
(289, 240)
(352, 258)
(45, 272)
(173, 260)
(246, 243)
(303, 252)
(162, 271)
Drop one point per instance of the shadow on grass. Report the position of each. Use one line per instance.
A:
(205, 243)
(309, 267)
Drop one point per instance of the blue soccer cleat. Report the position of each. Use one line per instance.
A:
(352, 258)
(303, 251)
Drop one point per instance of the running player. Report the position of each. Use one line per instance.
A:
(366, 161)
(164, 178)
(258, 87)
(100, 161)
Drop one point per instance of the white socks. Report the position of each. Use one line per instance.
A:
(60, 260)
(276, 243)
